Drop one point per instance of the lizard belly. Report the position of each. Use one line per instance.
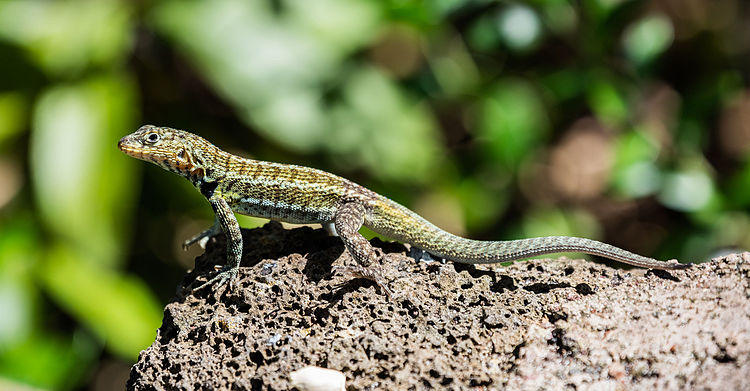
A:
(291, 213)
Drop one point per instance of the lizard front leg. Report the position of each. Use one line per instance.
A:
(228, 224)
(347, 222)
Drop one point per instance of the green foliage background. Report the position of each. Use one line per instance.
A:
(625, 121)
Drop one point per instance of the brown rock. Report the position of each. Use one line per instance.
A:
(539, 324)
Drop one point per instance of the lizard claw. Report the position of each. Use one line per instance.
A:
(202, 237)
(202, 241)
(226, 274)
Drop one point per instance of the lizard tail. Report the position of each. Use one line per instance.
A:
(396, 221)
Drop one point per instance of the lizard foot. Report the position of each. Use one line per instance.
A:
(226, 275)
(371, 273)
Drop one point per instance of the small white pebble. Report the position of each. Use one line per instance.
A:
(318, 379)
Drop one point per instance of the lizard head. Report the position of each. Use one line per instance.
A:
(171, 149)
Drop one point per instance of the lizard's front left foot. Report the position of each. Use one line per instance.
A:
(371, 273)
(227, 274)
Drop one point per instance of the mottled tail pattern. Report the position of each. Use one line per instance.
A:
(419, 232)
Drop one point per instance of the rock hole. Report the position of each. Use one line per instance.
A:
(663, 274)
(256, 358)
(541, 287)
(565, 346)
(175, 369)
(723, 357)
(584, 289)
(555, 316)
(504, 283)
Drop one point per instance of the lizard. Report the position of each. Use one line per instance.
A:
(304, 195)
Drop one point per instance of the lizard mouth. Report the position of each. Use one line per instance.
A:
(126, 145)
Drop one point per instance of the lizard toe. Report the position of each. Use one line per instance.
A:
(225, 275)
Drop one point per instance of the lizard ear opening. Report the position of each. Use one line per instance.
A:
(183, 156)
(198, 172)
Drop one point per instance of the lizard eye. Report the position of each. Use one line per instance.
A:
(152, 138)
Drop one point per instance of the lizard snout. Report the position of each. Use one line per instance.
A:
(129, 146)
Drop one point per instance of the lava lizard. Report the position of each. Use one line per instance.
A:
(305, 195)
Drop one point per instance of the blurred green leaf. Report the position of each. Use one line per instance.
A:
(19, 255)
(422, 14)
(272, 69)
(519, 26)
(607, 101)
(119, 309)
(455, 71)
(647, 38)
(688, 190)
(636, 146)
(732, 230)
(50, 360)
(84, 191)
(444, 7)
(16, 303)
(513, 121)
(13, 108)
(343, 25)
(560, 16)
(82, 182)
(565, 84)
(483, 34)
(639, 179)
(482, 206)
(738, 188)
(600, 10)
(553, 222)
(29, 353)
(692, 136)
(636, 173)
(395, 138)
(66, 37)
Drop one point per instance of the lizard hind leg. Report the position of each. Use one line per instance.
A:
(347, 222)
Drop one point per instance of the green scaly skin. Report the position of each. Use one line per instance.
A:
(304, 195)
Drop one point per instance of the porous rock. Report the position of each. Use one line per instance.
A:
(537, 324)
